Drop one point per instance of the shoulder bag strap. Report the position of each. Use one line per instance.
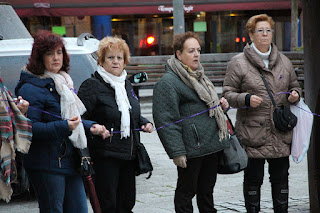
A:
(233, 129)
(268, 89)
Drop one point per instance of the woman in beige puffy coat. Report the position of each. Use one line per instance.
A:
(244, 88)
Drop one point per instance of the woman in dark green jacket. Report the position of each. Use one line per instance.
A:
(194, 143)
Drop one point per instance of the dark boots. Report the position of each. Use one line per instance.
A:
(252, 198)
(280, 195)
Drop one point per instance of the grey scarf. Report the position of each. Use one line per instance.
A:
(197, 81)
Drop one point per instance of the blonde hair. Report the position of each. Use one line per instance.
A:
(111, 44)
(251, 24)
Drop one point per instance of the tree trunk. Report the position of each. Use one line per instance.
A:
(311, 32)
(294, 24)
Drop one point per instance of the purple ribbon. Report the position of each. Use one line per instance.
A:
(191, 116)
(307, 111)
(166, 125)
(75, 91)
(134, 95)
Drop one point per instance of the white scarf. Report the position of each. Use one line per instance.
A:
(71, 106)
(118, 84)
(263, 56)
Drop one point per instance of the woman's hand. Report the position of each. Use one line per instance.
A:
(22, 105)
(255, 101)
(147, 128)
(293, 97)
(101, 130)
(73, 123)
(180, 161)
(224, 104)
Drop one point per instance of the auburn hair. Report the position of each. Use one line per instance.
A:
(45, 41)
(179, 39)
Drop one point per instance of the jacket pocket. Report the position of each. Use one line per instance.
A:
(252, 133)
(284, 137)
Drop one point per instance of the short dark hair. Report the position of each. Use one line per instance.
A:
(45, 41)
(179, 40)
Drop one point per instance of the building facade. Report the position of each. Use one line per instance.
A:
(147, 25)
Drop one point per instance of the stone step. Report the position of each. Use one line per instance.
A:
(146, 108)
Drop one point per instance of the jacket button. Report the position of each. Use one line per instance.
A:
(51, 89)
(261, 123)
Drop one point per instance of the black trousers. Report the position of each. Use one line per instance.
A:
(198, 179)
(115, 185)
(253, 179)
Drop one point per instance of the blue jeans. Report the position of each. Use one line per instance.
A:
(59, 193)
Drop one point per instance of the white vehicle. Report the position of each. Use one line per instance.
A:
(11, 27)
(14, 55)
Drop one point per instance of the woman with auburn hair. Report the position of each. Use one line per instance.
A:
(244, 88)
(109, 99)
(55, 114)
(194, 144)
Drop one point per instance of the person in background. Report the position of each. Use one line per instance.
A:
(110, 100)
(57, 127)
(16, 133)
(244, 88)
(195, 143)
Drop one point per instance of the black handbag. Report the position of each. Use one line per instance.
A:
(284, 120)
(234, 158)
(143, 162)
(85, 168)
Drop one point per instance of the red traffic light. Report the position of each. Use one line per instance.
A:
(150, 40)
(237, 39)
(243, 39)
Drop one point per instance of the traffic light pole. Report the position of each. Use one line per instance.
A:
(178, 16)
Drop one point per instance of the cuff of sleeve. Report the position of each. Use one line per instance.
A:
(247, 100)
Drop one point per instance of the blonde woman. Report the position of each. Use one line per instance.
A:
(109, 99)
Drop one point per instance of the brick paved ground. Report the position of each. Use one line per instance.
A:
(156, 195)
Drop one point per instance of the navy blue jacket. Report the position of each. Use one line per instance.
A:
(51, 150)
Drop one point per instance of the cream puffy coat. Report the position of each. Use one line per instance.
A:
(254, 126)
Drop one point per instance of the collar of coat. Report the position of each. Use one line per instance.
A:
(255, 59)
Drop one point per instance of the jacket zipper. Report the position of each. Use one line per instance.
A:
(196, 135)
(64, 154)
(131, 136)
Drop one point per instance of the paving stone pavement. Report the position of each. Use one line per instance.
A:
(155, 195)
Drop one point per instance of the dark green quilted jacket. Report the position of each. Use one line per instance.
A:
(194, 137)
